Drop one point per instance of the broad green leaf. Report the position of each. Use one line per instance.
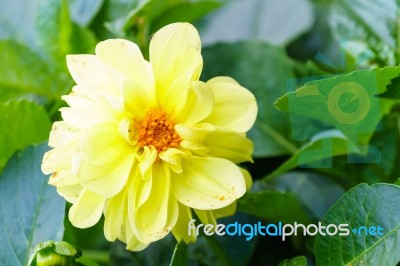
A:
(297, 261)
(372, 21)
(54, 27)
(264, 70)
(274, 206)
(24, 72)
(22, 123)
(83, 11)
(259, 20)
(347, 102)
(319, 151)
(180, 257)
(31, 210)
(375, 205)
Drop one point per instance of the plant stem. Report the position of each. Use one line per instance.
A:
(276, 136)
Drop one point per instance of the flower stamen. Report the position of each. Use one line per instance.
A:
(157, 130)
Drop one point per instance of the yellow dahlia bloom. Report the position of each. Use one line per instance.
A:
(146, 142)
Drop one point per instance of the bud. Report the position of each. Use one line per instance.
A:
(49, 253)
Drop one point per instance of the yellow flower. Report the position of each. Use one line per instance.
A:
(146, 142)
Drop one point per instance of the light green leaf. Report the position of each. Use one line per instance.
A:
(274, 206)
(296, 261)
(30, 209)
(54, 27)
(22, 123)
(264, 70)
(24, 72)
(323, 146)
(347, 102)
(375, 205)
(180, 257)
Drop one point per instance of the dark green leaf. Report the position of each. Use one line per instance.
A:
(297, 261)
(264, 70)
(30, 209)
(274, 206)
(180, 257)
(376, 205)
(22, 123)
(322, 193)
(393, 90)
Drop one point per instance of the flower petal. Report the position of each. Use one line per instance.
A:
(105, 160)
(199, 104)
(70, 193)
(115, 216)
(91, 74)
(156, 217)
(87, 211)
(176, 60)
(181, 229)
(235, 107)
(230, 145)
(126, 57)
(208, 183)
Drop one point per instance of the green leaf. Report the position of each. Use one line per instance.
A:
(323, 146)
(31, 210)
(180, 257)
(84, 11)
(375, 205)
(22, 123)
(54, 28)
(393, 91)
(274, 206)
(372, 21)
(347, 102)
(264, 70)
(24, 72)
(259, 20)
(297, 261)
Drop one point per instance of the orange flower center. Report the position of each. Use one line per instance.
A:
(157, 130)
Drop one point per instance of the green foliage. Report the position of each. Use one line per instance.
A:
(31, 211)
(22, 123)
(367, 206)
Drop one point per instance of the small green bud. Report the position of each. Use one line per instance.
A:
(51, 253)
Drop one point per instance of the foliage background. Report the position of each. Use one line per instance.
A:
(305, 160)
